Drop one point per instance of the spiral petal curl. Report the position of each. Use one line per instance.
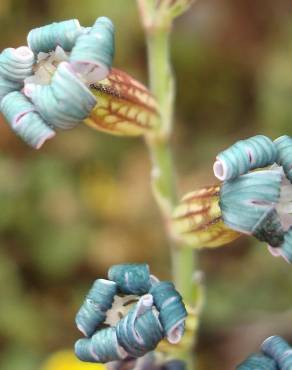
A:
(65, 102)
(258, 361)
(24, 120)
(93, 311)
(246, 200)
(16, 64)
(91, 54)
(158, 313)
(276, 355)
(63, 99)
(47, 38)
(243, 156)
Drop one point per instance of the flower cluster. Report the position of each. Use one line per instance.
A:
(276, 355)
(128, 315)
(248, 201)
(45, 86)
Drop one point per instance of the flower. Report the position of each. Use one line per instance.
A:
(276, 354)
(128, 315)
(44, 86)
(248, 201)
(63, 77)
(66, 360)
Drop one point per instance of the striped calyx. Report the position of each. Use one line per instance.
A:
(117, 328)
(276, 354)
(197, 220)
(52, 75)
(125, 107)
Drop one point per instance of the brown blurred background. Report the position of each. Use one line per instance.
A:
(83, 202)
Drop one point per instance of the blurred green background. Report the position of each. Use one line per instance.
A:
(83, 202)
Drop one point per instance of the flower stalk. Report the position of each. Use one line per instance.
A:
(162, 86)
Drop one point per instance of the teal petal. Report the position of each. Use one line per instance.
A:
(7, 86)
(172, 312)
(102, 347)
(93, 311)
(65, 102)
(277, 348)
(93, 53)
(140, 330)
(131, 278)
(47, 38)
(258, 361)
(24, 120)
(246, 200)
(83, 350)
(16, 64)
(256, 152)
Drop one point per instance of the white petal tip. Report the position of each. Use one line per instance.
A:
(220, 170)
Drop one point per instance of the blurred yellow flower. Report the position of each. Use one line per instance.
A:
(66, 360)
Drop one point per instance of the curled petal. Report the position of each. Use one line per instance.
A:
(245, 155)
(92, 55)
(125, 107)
(101, 347)
(93, 311)
(65, 102)
(284, 154)
(131, 278)
(278, 349)
(172, 312)
(140, 330)
(187, 341)
(197, 220)
(7, 86)
(21, 115)
(16, 64)
(47, 38)
(140, 326)
(246, 201)
(258, 361)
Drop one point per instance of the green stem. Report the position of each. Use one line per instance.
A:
(163, 173)
(161, 76)
(162, 86)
